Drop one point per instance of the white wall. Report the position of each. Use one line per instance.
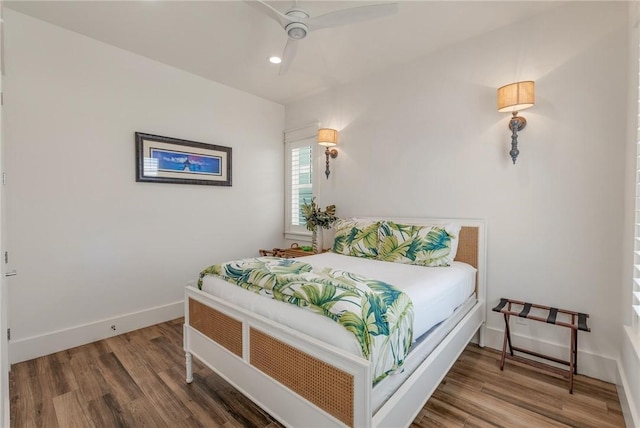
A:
(93, 247)
(426, 141)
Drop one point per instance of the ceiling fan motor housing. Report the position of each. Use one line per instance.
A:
(297, 30)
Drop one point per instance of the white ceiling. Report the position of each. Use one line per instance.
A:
(229, 41)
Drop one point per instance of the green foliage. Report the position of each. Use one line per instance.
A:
(436, 240)
(419, 245)
(354, 323)
(391, 250)
(356, 241)
(315, 217)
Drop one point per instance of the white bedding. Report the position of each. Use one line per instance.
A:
(435, 292)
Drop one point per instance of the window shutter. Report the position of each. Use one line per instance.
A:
(299, 144)
(301, 181)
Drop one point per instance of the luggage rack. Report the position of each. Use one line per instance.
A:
(578, 322)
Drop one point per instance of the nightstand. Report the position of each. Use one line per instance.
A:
(287, 253)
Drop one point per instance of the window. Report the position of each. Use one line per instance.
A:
(299, 146)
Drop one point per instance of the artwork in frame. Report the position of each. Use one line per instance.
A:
(171, 160)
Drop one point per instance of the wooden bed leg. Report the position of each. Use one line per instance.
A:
(189, 361)
(481, 335)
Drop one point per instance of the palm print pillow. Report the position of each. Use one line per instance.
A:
(418, 245)
(356, 237)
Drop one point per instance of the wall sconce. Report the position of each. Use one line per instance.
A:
(328, 137)
(515, 97)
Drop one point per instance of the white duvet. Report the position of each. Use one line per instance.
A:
(435, 292)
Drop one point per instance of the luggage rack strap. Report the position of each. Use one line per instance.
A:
(578, 319)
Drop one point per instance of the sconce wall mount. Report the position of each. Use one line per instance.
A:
(513, 98)
(328, 137)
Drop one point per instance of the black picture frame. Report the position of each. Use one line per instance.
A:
(171, 160)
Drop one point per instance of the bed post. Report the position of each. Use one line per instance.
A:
(186, 335)
(189, 361)
(481, 281)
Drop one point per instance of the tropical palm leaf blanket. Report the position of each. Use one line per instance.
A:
(378, 314)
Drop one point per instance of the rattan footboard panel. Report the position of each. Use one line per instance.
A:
(220, 328)
(325, 386)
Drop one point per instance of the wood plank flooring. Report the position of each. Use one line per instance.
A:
(137, 380)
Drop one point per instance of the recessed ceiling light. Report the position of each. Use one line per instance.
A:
(275, 60)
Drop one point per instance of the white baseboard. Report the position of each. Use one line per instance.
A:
(45, 344)
(628, 380)
(592, 365)
(631, 417)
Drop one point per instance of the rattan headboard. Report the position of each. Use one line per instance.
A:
(468, 246)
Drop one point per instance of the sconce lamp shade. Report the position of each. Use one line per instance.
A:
(516, 96)
(327, 137)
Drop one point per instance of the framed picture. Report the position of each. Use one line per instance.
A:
(170, 160)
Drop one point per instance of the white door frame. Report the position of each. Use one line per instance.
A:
(4, 342)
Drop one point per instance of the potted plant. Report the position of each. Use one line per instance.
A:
(315, 218)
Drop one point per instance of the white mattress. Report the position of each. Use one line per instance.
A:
(435, 292)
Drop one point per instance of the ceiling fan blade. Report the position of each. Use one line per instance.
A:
(352, 15)
(270, 11)
(289, 53)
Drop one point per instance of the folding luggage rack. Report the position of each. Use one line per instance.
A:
(578, 322)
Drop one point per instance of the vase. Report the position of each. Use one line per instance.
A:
(316, 240)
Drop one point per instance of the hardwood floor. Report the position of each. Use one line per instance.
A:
(137, 380)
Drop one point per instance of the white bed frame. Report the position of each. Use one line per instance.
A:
(233, 361)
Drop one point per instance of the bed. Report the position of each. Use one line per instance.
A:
(308, 372)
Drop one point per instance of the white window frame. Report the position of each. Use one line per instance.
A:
(295, 138)
(635, 289)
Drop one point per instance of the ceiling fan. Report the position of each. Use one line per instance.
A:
(298, 23)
